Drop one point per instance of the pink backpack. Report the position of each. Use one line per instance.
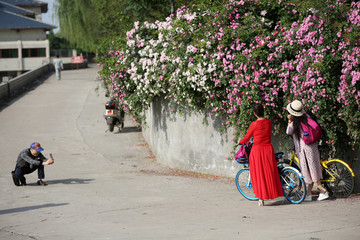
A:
(311, 134)
(242, 156)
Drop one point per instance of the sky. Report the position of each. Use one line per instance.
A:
(50, 17)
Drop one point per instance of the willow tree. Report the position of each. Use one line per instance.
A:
(78, 22)
(86, 23)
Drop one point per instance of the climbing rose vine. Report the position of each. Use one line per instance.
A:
(250, 51)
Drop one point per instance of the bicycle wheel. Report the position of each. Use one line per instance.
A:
(293, 185)
(338, 179)
(287, 163)
(243, 184)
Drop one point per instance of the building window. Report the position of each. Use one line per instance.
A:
(8, 53)
(34, 52)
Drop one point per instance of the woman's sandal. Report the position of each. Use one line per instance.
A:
(261, 202)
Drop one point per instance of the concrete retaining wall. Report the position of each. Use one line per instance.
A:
(7, 89)
(4, 90)
(182, 141)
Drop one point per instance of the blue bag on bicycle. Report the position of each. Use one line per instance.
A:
(242, 156)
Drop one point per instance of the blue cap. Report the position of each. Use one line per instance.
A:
(36, 146)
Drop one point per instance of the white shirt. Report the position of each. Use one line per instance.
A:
(58, 63)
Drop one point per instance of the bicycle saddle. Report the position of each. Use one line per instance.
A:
(279, 155)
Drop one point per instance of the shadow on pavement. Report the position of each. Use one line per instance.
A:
(278, 202)
(29, 208)
(128, 130)
(69, 181)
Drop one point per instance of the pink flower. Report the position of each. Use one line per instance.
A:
(321, 40)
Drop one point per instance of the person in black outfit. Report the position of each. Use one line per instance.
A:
(28, 161)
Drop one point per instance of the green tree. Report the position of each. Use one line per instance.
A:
(54, 43)
(78, 21)
(57, 42)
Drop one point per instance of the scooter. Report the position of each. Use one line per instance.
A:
(113, 116)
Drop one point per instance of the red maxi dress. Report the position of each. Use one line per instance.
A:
(262, 164)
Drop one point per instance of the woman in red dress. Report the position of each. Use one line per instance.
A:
(262, 164)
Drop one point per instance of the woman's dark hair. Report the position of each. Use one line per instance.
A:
(258, 109)
(297, 124)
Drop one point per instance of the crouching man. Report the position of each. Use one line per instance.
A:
(28, 161)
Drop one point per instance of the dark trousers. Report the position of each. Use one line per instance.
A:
(20, 172)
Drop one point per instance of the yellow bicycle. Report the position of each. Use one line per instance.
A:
(338, 176)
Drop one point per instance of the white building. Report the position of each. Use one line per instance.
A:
(23, 43)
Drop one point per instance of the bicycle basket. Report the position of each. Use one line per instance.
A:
(242, 160)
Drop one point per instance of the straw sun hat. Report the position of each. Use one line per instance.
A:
(295, 108)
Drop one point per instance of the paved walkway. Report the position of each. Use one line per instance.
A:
(109, 186)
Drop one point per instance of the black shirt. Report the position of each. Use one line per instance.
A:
(26, 158)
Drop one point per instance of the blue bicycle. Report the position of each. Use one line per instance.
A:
(291, 179)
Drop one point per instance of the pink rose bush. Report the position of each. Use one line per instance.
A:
(250, 51)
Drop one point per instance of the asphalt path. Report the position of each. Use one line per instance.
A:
(109, 186)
